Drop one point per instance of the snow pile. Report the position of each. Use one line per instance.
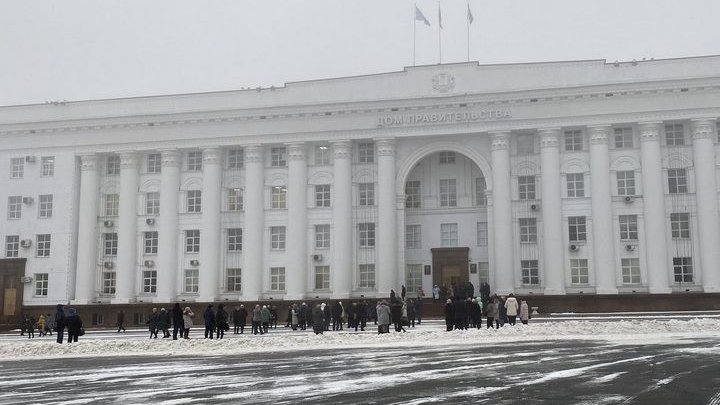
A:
(619, 332)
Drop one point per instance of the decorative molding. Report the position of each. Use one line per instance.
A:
(599, 134)
(549, 137)
(89, 162)
(500, 140)
(650, 131)
(702, 129)
(129, 160)
(296, 151)
(342, 149)
(211, 156)
(253, 153)
(170, 158)
(385, 146)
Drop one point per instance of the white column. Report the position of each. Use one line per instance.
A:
(502, 214)
(167, 266)
(253, 235)
(602, 219)
(210, 247)
(342, 232)
(654, 209)
(551, 208)
(386, 238)
(87, 270)
(296, 247)
(706, 195)
(125, 273)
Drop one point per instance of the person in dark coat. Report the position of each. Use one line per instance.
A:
(396, 315)
(304, 315)
(475, 313)
(318, 317)
(469, 290)
(74, 324)
(121, 321)
(164, 322)
(177, 320)
(460, 313)
(221, 321)
(327, 315)
(411, 312)
(337, 315)
(361, 315)
(403, 292)
(449, 316)
(393, 296)
(239, 316)
(418, 310)
(59, 322)
(153, 322)
(273, 316)
(209, 317)
(30, 326)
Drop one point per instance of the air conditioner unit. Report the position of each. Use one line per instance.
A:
(26, 280)
(150, 221)
(26, 243)
(108, 265)
(317, 258)
(27, 200)
(194, 262)
(108, 224)
(535, 207)
(629, 248)
(149, 263)
(30, 159)
(574, 248)
(629, 199)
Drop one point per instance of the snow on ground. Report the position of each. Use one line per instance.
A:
(429, 334)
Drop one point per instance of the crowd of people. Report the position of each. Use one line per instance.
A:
(59, 323)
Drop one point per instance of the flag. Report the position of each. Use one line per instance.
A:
(470, 16)
(419, 16)
(439, 16)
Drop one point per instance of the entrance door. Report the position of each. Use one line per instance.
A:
(450, 267)
(451, 275)
(9, 296)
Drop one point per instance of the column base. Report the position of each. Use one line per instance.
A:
(121, 301)
(606, 291)
(550, 291)
(660, 290)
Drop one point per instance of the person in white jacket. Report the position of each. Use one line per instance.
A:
(512, 307)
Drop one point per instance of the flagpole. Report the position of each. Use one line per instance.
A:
(467, 21)
(414, 31)
(439, 32)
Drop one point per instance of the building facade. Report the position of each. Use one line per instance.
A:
(542, 178)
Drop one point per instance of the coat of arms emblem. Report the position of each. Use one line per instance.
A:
(443, 82)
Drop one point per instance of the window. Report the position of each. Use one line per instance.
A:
(630, 271)
(279, 197)
(234, 239)
(17, 168)
(322, 277)
(150, 281)
(278, 156)
(682, 269)
(526, 187)
(480, 192)
(192, 241)
(413, 276)
(46, 205)
(525, 145)
(448, 235)
(322, 195)
(322, 155)
(412, 194)
(112, 165)
(677, 181)
(623, 138)
(322, 236)
(628, 227)
(573, 140)
(576, 226)
(277, 278)
(14, 207)
(235, 159)
(154, 163)
(366, 152)
(579, 271)
(484, 272)
(447, 158)
(674, 135)
(43, 245)
(366, 277)
(110, 243)
(194, 161)
(12, 245)
(448, 193)
(192, 278)
(366, 192)
(277, 237)
(151, 242)
(234, 279)
(482, 233)
(112, 205)
(528, 230)
(235, 199)
(194, 200)
(41, 284)
(626, 182)
(680, 225)
(529, 269)
(108, 282)
(575, 184)
(413, 237)
(152, 203)
(367, 234)
(48, 166)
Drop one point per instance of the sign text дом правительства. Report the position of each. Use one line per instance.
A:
(442, 117)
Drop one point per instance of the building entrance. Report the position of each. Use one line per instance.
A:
(450, 267)
(11, 291)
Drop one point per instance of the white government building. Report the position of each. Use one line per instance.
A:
(544, 178)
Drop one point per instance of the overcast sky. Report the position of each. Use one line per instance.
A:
(90, 49)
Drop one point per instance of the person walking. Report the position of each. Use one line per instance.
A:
(239, 319)
(221, 320)
(209, 318)
(524, 313)
(41, 325)
(121, 321)
(164, 322)
(512, 307)
(256, 326)
(153, 323)
(30, 326)
(74, 325)
(177, 320)
(265, 316)
(318, 316)
(59, 322)
(187, 322)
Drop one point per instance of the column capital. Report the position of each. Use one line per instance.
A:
(296, 151)
(599, 134)
(385, 146)
(650, 131)
(88, 162)
(500, 140)
(211, 156)
(253, 153)
(702, 128)
(128, 160)
(549, 137)
(342, 149)
(170, 158)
